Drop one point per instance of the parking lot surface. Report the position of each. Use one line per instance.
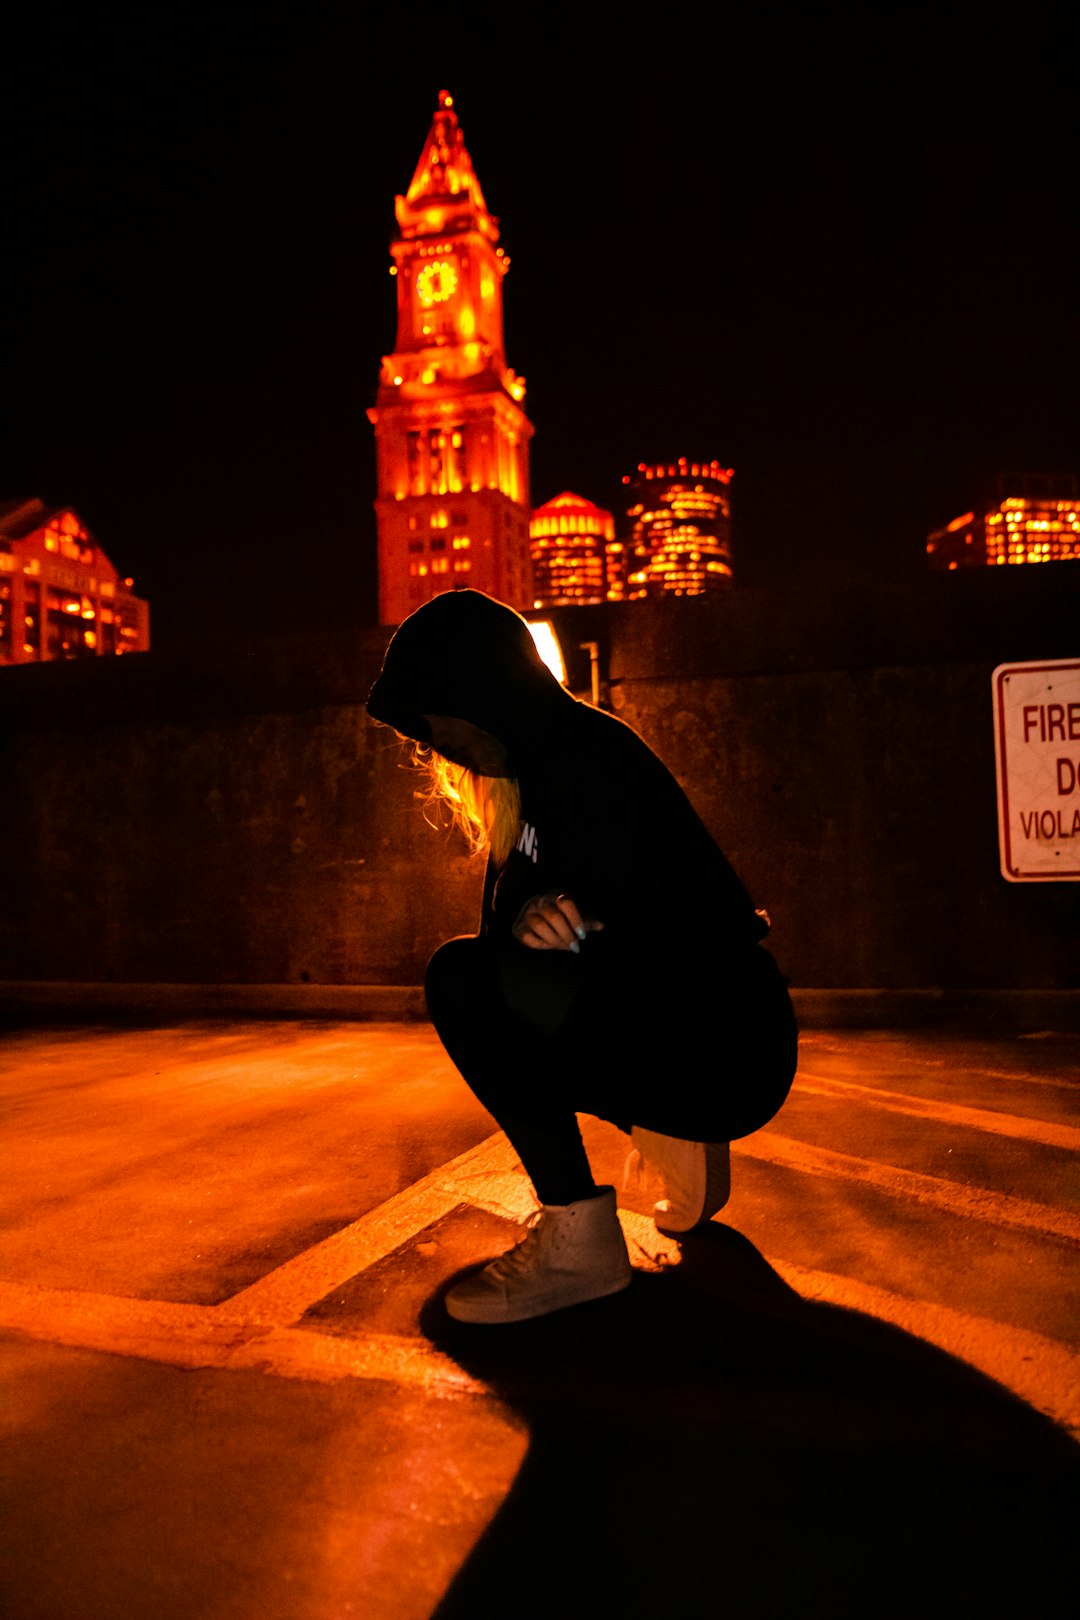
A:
(231, 1389)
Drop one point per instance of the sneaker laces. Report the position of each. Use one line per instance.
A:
(514, 1259)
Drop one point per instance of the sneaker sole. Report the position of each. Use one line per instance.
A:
(492, 1312)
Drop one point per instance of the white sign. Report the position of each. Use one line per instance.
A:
(1037, 748)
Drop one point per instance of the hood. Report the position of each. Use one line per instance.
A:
(467, 655)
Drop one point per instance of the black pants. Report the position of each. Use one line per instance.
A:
(540, 1036)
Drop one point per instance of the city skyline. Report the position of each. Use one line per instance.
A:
(807, 252)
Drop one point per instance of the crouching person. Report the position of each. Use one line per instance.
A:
(619, 969)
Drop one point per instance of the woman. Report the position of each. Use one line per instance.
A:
(618, 970)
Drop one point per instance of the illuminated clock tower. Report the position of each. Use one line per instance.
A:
(451, 435)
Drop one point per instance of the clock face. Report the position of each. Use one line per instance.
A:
(436, 282)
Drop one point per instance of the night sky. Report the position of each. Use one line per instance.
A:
(832, 247)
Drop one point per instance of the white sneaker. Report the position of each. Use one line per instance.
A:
(573, 1252)
(697, 1177)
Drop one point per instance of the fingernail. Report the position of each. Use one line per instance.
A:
(580, 932)
(575, 947)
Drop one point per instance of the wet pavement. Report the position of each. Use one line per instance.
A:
(231, 1390)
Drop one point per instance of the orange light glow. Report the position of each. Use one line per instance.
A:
(570, 537)
(679, 544)
(436, 282)
(1040, 527)
(54, 583)
(547, 645)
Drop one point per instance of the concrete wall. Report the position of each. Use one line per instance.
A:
(236, 819)
(859, 806)
(231, 822)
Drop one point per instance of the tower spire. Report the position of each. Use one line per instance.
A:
(444, 193)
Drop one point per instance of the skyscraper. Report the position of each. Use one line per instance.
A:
(1026, 520)
(571, 539)
(679, 543)
(452, 438)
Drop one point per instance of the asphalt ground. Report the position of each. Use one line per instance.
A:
(232, 1393)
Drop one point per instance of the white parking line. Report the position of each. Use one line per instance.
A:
(1041, 1371)
(284, 1295)
(1047, 1133)
(256, 1329)
(970, 1203)
(205, 1336)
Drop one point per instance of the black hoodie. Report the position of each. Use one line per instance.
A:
(603, 820)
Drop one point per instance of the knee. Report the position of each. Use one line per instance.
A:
(452, 970)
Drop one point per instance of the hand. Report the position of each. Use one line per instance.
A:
(552, 922)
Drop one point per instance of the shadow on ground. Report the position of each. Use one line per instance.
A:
(710, 1444)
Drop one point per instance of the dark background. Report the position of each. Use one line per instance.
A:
(832, 247)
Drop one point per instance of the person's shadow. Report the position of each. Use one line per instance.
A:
(710, 1444)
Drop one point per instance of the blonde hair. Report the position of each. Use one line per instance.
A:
(486, 808)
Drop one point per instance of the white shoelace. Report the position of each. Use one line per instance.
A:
(512, 1261)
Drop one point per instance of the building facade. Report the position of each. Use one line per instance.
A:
(60, 596)
(452, 438)
(1028, 520)
(679, 536)
(573, 543)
